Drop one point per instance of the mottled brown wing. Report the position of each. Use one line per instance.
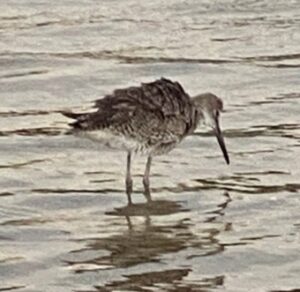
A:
(162, 95)
(157, 111)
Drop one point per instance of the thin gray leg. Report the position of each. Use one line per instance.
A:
(128, 179)
(146, 180)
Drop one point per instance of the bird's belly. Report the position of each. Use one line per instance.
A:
(117, 142)
(125, 143)
(163, 148)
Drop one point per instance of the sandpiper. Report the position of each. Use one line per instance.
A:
(150, 119)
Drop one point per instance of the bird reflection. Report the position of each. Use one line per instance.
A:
(148, 242)
(171, 280)
(153, 208)
(141, 243)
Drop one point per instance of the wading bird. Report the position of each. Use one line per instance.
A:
(150, 119)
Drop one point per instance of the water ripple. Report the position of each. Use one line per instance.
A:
(11, 288)
(24, 74)
(19, 165)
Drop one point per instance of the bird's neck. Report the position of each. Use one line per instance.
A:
(199, 116)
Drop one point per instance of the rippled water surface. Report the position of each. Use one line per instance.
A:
(64, 220)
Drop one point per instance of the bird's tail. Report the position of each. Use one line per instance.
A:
(75, 124)
(71, 115)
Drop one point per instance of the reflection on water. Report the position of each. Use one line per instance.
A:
(141, 244)
(64, 223)
(169, 280)
(147, 242)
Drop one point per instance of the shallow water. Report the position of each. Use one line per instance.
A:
(64, 224)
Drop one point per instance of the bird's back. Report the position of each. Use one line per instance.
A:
(159, 112)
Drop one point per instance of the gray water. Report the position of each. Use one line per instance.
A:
(64, 223)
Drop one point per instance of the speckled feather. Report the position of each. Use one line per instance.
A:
(155, 115)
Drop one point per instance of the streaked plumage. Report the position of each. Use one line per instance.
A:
(150, 119)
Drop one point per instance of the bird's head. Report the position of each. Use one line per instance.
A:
(209, 107)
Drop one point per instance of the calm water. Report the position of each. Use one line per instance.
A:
(64, 224)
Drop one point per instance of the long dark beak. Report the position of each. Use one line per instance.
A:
(221, 141)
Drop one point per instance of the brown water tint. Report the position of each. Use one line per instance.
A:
(64, 222)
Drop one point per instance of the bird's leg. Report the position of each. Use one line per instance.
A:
(128, 179)
(146, 181)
